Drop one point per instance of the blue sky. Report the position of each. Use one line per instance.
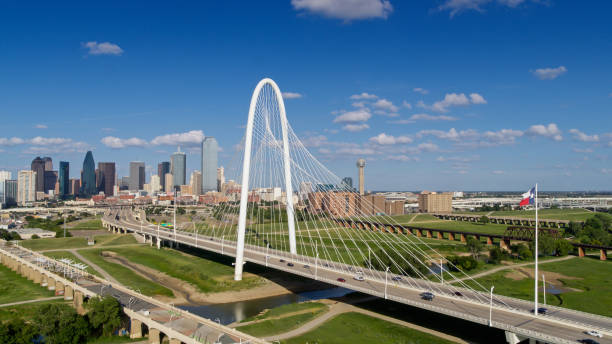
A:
(446, 95)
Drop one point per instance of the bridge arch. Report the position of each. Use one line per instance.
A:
(246, 166)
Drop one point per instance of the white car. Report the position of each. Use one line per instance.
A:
(594, 333)
(359, 278)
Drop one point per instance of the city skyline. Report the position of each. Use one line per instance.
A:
(424, 104)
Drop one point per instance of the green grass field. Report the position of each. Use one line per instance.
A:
(589, 275)
(285, 309)
(124, 275)
(207, 275)
(284, 323)
(489, 228)
(88, 225)
(125, 239)
(15, 288)
(76, 242)
(25, 311)
(356, 328)
(69, 255)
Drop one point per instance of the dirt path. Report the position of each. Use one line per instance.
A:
(513, 266)
(32, 301)
(285, 315)
(339, 308)
(102, 272)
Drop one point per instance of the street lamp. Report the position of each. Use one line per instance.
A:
(386, 273)
(544, 288)
(441, 271)
(491, 307)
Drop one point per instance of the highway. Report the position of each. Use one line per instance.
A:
(558, 326)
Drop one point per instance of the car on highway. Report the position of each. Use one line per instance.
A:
(458, 294)
(588, 341)
(594, 333)
(359, 278)
(289, 264)
(541, 310)
(306, 266)
(282, 260)
(427, 296)
(396, 278)
(340, 279)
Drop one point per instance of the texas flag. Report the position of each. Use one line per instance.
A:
(528, 197)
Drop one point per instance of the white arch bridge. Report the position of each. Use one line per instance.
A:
(287, 219)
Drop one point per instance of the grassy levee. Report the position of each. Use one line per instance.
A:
(26, 311)
(462, 226)
(587, 281)
(356, 328)
(71, 256)
(286, 309)
(54, 243)
(124, 275)
(280, 325)
(15, 288)
(120, 240)
(88, 225)
(207, 275)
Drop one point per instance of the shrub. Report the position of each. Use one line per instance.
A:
(495, 255)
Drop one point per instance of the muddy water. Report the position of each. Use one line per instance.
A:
(227, 313)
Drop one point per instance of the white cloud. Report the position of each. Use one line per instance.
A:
(477, 98)
(551, 131)
(13, 141)
(193, 137)
(355, 127)
(549, 73)
(346, 9)
(498, 172)
(452, 134)
(402, 121)
(406, 105)
(583, 150)
(40, 126)
(360, 115)
(458, 159)
(386, 105)
(427, 147)
(364, 95)
(402, 157)
(500, 137)
(116, 143)
(458, 6)
(358, 104)
(315, 141)
(291, 95)
(104, 48)
(580, 136)
(420, 90)
(384, 139)
(44, 141)
(610, 95)
(426, 117)
(356, 151)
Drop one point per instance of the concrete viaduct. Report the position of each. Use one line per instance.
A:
(147, 316)
(504, 240)
(505, 220)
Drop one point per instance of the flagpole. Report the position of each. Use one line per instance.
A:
(535, 305)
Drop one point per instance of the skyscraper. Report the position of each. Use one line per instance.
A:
(196, 183)
(347, 184)
(4, 175)
(64, 178)
(210, 151)
(26, 188)
(88, 176)
(38, 166)
(220, 178)
(137, 175)
(48, 163)
(75, 186)
(106, 173)
(163, 168)
(50, 180)
(10, 193)
(178, 165)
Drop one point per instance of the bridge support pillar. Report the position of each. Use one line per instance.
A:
(50, 283)
(175, 341)
(603, 255)
(504, 244)
(68, 294)
(463, 238)
(429, 233)
(489, 241)
(59, 288)
(580, 251)
(135, 328)
(419, 233)
(451, 236)
(513, 338)
(154, 336)
(37, 277)
(440, 235)
(158, 243)
(78, 302)
(44, 281)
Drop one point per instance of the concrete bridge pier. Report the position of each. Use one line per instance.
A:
(68, 294)
(504, 244)
(154, 336)
(158, 243)
(37, 277)
(463, 238)
(50, 283)
(135, 328)
(451, 236)
(513, 338)
(440, 235)
(603, 255)
(580, 251)
(44, 280)
(175, 341)
(78, 302)
(489, 241)
(59, 287)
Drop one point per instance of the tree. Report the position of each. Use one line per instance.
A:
(563, 247)
(474, 246)
(573, 228)
(17, 331)
(180, 211)
(59, 323)
(546, 245)
(483, 219)
(35, 236)
(524, 252)
(104, 315)
(466, 263)
(495, 255)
